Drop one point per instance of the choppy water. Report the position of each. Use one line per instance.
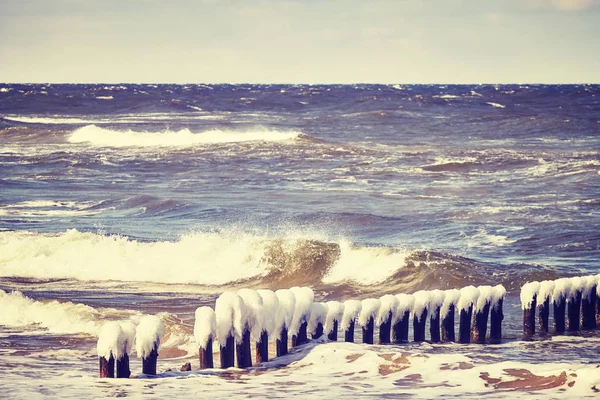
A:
(134, 199)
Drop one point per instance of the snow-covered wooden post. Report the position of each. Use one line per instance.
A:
(588, 303)
(562, 288)
(468, 297)
(304, 299)
(205, 328)
(271, 323)
(351, 311)
(147, 342)
(128, 339)
(252, 328)
(543, 305)
(481, 312)
(529, 292)
(318, 316)
(230, 315)
(335, 312)
(285, 315)
(447, 313)
(497, 314)
(389, 305)
(419, 313)
(366, 318)
(108, 346)
(436, 299)
(574, 303)
(401, 319)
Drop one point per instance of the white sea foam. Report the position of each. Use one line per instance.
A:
(102, 137)
(48, 208)
(495, 105)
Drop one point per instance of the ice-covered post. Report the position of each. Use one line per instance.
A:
(389, 305)
(436, 299)
(562, 288)
(588, 303)
(128, 339)
(108, 346)
(271, 324)
(400, 322)
(335, 312)
(419, 312)
(468, 297)
(285, 315)
(252, 327)
(147, 342)
(304, 299)
(529, 292)
(366, 318)
(497, 315)
(447, 312)
(230, 315)
(574, 303)
(351, 310)
(481, 312)
(318, 315)
(205, 328)
(543, 305)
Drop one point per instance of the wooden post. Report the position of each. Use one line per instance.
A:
(479, 328)
(434, 324)
(400, 328)
(301, 337)
(318, 332)
(244, 357)
(419, 326)
(227, 352)
(385, 330)
(149, 362)
(349, 333)
(588, 309)
(262, 348)
(496, 317)
(205, 355)
(574, 310)
(123, 370)
(529, 317)
(368, 331)
(559, 306)
(107, 367)
(334, 332)
(448, 330)
(464, 328)
(281, 343)
(544, 315)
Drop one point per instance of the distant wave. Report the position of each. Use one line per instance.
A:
(214, 259)
(96, 136)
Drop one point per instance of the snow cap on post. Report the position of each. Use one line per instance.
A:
(451, 297)
(422, 298)
(369, 308)
(128, 329)
(436, 298)
(589, 284)
(148, 335)
(270, 312)
(389, 304)
(304, 299)
(351, 310)
(545, 291)
(335, 312)
(468, 297)
(485, 296)
(498, 294)
(285, 312)
(205, 326)
(111, 340)
(528, 291)
(577, 284)
(254, 305)
(318, 315)
(406, 303)
(230, 313)
(562, 288)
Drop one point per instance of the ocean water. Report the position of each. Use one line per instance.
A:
(123, 200)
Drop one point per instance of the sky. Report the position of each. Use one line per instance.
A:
(300, 41)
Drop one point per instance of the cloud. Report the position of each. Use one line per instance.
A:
(566, 5)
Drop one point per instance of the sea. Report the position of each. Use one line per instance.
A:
(122, 200)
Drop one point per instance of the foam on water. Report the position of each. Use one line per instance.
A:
(102, 137)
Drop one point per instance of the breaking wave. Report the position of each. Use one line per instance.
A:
(102, 137)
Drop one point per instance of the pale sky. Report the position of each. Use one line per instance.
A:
(300, 41)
